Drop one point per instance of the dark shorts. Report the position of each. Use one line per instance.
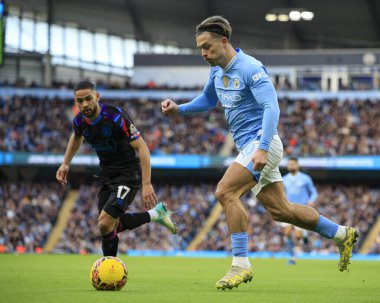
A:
(116, 194)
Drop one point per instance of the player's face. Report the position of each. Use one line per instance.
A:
(293, 166)
(87, 102)
(213, 49)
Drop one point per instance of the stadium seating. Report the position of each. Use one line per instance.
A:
(28, 212)
(351, 205)
(355, 205)
(375, 248)
(192, 204)
(328, 127)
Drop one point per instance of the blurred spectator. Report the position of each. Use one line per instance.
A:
(28, 213)
(375, 248)
(330, 127)
(191, 203)
(42, 125)
(355, 205)
(303, 82)
(325, 128)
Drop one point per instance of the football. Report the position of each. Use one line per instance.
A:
(108, 273)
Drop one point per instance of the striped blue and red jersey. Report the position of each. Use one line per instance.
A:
(110, 135)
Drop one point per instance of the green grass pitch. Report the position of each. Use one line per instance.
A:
(65, 278)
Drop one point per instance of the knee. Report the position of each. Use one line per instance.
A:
(104, 227)
(223, 195)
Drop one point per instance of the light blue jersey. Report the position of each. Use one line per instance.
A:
(248, 97)
(299, 188)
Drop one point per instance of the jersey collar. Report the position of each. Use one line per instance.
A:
(233, 60)
(98, 118)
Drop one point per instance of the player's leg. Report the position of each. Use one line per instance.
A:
(273, 197)
(288, 231)
(121, 197)
(274, 200)
(236, 181)
(114, 199)
(158, 214)
(107, 224)
(110, 240)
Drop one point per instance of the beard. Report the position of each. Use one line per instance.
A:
(89, 113)
(210, 62)
(292, 171)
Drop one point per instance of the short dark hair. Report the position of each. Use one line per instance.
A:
(84, 85)
(293, 159)
(215, 24)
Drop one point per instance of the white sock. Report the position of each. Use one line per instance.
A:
(340, 233)
(241, 262)
(153, 214)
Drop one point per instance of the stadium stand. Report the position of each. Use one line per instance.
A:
(28, 213)
(327, 127)
(356, 205)
(192, 204)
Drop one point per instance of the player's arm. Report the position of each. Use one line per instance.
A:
(72, 147)
(149, 196)
(138, 144)
(203, 103)
(313, 192)
(265, 95)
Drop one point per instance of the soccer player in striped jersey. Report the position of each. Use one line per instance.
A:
(242, 85)
(116, 141)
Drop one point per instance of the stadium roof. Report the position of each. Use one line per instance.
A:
(336, 24)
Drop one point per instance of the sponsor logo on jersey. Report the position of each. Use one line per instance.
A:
(259, 75)
(106, 131)
(227, 97)
(106, 146)
(225, 81)
(236, 83)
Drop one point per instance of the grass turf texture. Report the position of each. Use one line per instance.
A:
(65, 278)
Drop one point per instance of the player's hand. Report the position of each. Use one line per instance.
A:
(260, 159)
(62, 173)
(169, 107)
(149, 197)
(311, 203)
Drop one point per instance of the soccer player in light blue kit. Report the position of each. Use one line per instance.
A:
(299, 188)
(241, 84)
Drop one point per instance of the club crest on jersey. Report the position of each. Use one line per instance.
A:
(106, 131)
(236, 83)
(225, 81)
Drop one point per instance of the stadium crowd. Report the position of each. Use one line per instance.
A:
(375, 247)
(356, 205)
(28, 212)
(38, 125)
(191, 203)
(306, 83)
(328, 127)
